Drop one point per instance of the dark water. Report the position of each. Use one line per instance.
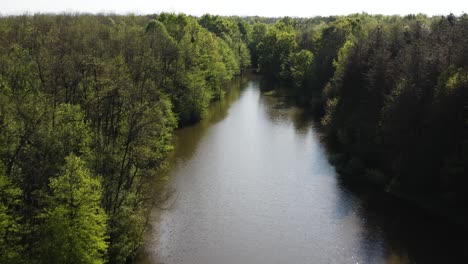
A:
(253, 185)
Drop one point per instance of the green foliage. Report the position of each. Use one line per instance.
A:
(127, 230)
(70, 133)
(74, 223)
(194, 101)
(300, 67)
(275, 50)
(87, 95)
(341, 63)
(258, 32)
(234, 33)
(391, 93)
(330, 108)
(11, 229)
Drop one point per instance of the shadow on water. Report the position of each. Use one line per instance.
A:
(404, 232)
(190, 136)
(278, 105)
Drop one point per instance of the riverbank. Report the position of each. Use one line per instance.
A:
(372, 180)
(432, 205)
(255, 186)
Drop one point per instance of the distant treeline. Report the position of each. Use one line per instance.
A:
(88, 105)
(391, 93)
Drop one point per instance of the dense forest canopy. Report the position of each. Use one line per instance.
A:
(391, 93)
(89, 103)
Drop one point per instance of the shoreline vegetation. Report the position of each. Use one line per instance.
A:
(89, 104)
(391, 96)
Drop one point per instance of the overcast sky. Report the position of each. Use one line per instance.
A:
(301, 8)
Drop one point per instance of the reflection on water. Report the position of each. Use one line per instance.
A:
(187, 138)
(254, 186)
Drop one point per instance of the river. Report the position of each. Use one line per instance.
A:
(253, 185)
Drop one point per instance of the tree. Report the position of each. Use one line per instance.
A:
(11, 229)
(300, 67)
(74, 224)
(274, 51)
(110, 90)
(258, 32)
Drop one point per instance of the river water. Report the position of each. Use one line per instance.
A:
(253, 185)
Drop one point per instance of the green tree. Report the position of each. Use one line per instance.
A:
(301, 67)
(11, 228)
(258, 32)
(274, 52)
(74, 224)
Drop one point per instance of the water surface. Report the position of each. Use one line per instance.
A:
(253, 185)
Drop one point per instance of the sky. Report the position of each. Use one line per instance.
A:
(269, 8)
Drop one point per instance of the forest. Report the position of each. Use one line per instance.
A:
(391, 95)
(89, 104)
